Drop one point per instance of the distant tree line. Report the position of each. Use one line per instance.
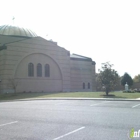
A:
(136, 78)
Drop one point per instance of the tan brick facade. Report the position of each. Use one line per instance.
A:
(67, 72)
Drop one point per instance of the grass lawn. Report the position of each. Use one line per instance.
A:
(71, 94)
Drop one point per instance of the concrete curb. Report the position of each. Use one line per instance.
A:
(101, 99)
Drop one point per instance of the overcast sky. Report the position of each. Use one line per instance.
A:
(105, 30)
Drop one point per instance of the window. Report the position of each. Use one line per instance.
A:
(39, 70)
(83, 85)
(88, 85)
(30, 69)
(47, 70)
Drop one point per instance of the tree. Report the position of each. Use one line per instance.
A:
(126, 78)
(136, 78)
(98, 83)
(108, 77)
(13, 83)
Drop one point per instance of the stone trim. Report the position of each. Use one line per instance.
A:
(79, 59)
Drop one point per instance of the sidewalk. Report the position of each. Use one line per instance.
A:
(69, 98)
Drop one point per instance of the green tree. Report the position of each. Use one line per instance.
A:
(126, 78)
(98, 83)
(136, 78)
(108, 77)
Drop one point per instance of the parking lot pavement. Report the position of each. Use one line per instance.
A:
(68, 119)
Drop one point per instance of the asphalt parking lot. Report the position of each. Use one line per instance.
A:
(68, 120)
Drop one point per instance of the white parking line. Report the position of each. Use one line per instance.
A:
(100, 103)
(135, 105)
(8, 123)
(69, 133)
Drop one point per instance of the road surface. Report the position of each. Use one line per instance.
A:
(68, 120)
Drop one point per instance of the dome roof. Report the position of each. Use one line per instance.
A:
(16, 31)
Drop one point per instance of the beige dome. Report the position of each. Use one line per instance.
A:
(16, 31)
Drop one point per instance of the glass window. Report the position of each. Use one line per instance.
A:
(88, 85)
(83, 85)
(30, 69)
(47, 70)
(39, 70)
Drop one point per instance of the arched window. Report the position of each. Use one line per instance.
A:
(47, 70)
(30, 69)
(83, 85)
(88, 85)
(39, 70)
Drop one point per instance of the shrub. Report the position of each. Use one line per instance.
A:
(124, 91)
(129, 91)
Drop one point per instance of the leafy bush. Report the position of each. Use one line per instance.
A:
(129, 91)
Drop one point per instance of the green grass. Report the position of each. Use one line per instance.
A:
(71, 94)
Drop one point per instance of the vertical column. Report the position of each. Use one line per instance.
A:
(93, 77)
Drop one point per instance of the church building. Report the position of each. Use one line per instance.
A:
(30, 63)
